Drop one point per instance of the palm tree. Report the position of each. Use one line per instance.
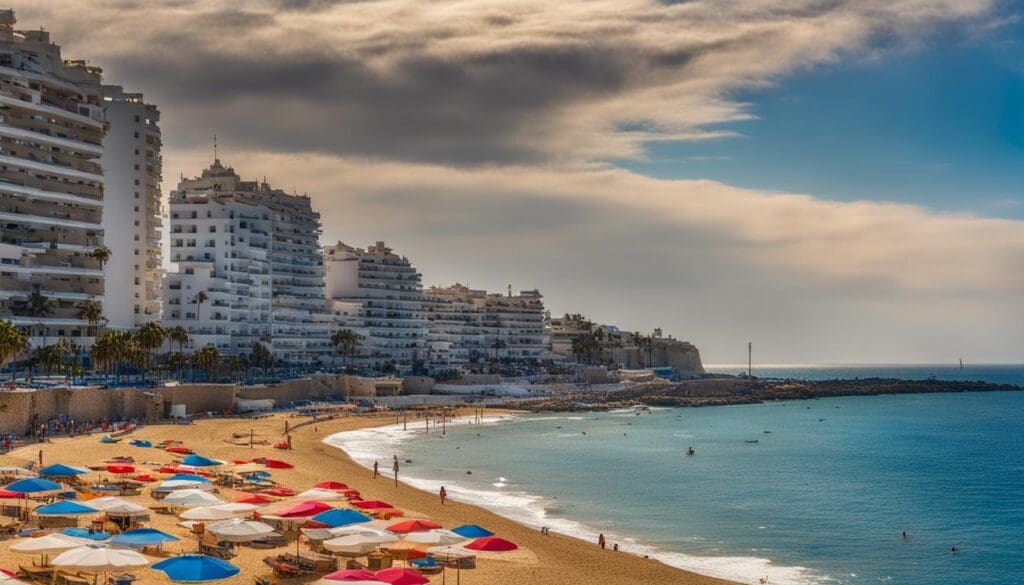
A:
(178, 360)
(261, 357)
(101, 255)
(234, 364)
(498, 344)
(91, 312)
(201, 298)
(346, 342)
(179, 335)
(150, 337)
(14, 341)
(114, 349)
(207, 358)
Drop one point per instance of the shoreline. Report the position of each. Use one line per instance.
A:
(541, 559)
(529, 509)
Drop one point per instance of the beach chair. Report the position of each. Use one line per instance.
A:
(36, 574)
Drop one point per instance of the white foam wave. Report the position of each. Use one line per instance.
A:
(379, 443)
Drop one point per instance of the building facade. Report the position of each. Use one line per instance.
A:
(378, 295)
(248, 268)
(52, 132)
(132, 209)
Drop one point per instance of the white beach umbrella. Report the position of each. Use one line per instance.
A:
(318, 534)
(239, 530)
(51, 544)
(437, 537)
(319, 494)
(184, 484)
(239, 507)
(99, 559)
(359, 543)
(208, 513)
(116, 507)
(191, 498)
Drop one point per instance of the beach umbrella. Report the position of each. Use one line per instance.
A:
(304, 510)
(144, 477)
(141, 537)
(319, 494)
(492, 544)
(472, 531)
(209, 513)
(350, 577)
(331, 485)
(10, 495)
(64, 508)
(188, 477)
(413, 526)
(359, 543)
(183, 469)
(171, 485)
(99, 559)
(400, 576)
(116, 507)
(84, 533)
(61, 470)
(10, 578)
(277, 464)
(239, 530)
(51, 544)
(280, 491)
(200, 461)
(372, 505)
(179, 450)
(253, 499)
(33, 485)
(435, 537)
(120, 469)
(191, 498)
(336, 517)
(140, 443)
(196, 569)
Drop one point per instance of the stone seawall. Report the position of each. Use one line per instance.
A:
(22, 410)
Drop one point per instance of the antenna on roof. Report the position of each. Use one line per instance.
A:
(214, 147)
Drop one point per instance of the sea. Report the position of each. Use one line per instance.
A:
(796, 492)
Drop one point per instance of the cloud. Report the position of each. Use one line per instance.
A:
(470, 82)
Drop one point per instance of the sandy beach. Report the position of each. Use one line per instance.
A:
(540, 559)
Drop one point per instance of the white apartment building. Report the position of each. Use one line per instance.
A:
(254, 254)
(377, 294)
(132, 209)
(51, 186)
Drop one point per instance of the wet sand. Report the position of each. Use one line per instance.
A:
(541, 559)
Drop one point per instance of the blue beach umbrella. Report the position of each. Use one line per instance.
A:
(472, 531)
(196, 569)
(140, 443)
(337, 517)
(84, 533)
(187, 477)
(64, 508)
(200, 461)
(143, 537)
(33, 485)
(61, 470)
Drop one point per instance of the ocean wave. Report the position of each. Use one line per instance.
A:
(378, 444)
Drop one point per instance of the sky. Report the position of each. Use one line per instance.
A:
(837, 181)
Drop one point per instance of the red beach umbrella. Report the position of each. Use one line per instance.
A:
(144, 477)
(372, 505)
(413, 526)
(9, 573)
(492, 544)
(277, 464)
(280, 491)
(7, 494)
(305, 510)
(253, 499)
(179, 450)
(352, 575)
(331, 485)
(400, 576)
(120, 469)
(239, 461)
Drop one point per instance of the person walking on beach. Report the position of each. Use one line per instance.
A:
(376, 469)
(600, 541)
(444, 495)
(395, 467)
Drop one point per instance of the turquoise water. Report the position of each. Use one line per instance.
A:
(821, 498)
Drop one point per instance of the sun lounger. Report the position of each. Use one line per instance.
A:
(37, 574)
(428, 566)
(63, 578)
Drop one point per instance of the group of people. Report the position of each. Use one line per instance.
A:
(601, 542)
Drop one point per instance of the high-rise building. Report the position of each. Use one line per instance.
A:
(132, 209)
(51, 186)
(249, 268)
(378, 294)
(466, 325)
